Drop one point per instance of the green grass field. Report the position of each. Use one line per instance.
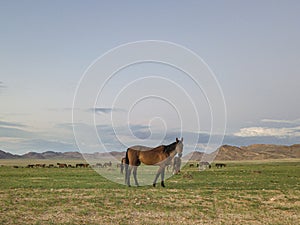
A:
(261, 192)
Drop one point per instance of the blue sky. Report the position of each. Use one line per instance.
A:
(45, 47)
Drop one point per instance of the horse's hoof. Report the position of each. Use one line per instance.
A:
(154, 185)
(163, 184)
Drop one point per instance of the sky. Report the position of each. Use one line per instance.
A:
(252, 50)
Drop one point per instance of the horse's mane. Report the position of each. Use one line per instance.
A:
(170, 148)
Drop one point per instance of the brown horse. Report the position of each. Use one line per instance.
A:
(62, 165)
(160, 156)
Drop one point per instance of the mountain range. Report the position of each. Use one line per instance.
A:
(251, 152)
(225, 152)
(61, 155)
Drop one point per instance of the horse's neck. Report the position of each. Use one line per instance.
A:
(170, 148)
(172, 154)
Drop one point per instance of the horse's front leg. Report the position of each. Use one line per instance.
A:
(157, 175)
(163, 177)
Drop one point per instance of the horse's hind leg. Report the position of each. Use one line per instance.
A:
(134, 175)
(122, 168)
(127, 175)
(126, 172)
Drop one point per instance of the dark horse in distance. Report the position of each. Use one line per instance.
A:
(160, 156)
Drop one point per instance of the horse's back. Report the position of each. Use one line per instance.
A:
(146, 155)
(140, 148)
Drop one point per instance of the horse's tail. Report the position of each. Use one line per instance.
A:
(122, 165)
(126, 166)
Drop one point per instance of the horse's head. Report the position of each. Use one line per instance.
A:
(179, 146)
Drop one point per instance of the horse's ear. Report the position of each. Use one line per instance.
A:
(177, 140)
(182, 139)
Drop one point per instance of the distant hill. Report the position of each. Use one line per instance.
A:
(6, 155)
(61, 155)
(251, 152)
(101, 155)
(225, 152)
(258, 152)
(193, 156)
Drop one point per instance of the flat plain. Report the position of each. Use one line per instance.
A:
(249, 192)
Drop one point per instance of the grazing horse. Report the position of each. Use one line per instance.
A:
(79, 165)
(203, 165)
(62, 165)
(109, 164)
(220, 165)
(99, 165)
(160, 156)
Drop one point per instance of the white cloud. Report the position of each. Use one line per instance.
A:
(101, 110)
(265, 131)
(297, 121)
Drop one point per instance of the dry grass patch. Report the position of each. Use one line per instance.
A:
(233, 195)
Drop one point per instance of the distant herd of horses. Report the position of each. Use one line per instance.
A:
(64, 165)
(163, 156)
(174, 167)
